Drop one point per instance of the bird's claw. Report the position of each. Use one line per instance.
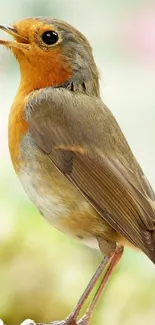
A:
(68, 321)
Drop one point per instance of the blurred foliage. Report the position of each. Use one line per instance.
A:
(43, 272)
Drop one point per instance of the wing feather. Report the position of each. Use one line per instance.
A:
(91, 151)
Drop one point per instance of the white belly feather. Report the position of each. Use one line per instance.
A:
(48, 203)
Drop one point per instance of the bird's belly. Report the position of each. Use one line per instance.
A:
(44, 193)
(58, 200)
(53, 206)
(54, 196)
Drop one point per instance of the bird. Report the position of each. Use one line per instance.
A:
(70, 153)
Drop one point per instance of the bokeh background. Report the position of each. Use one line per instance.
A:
(42, 272)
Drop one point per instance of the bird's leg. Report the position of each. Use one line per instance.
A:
(73, 316)
(113, 263)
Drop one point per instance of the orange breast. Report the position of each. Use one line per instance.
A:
(17, 128)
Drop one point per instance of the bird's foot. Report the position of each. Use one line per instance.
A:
(84, 320)
(70, 321)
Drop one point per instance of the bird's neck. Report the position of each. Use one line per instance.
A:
(34, 77)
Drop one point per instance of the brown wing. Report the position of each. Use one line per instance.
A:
(83, 140)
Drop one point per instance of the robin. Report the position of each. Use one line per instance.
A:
(69, 152)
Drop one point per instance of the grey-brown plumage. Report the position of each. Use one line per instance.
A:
(84, 141)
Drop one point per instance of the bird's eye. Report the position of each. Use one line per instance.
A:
(50, 37)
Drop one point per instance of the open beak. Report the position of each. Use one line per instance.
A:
(13, 32)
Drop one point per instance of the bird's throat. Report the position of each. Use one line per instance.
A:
(55, 71)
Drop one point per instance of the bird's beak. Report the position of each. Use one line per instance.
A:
(13, 32)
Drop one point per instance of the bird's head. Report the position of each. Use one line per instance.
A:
(52, 53)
